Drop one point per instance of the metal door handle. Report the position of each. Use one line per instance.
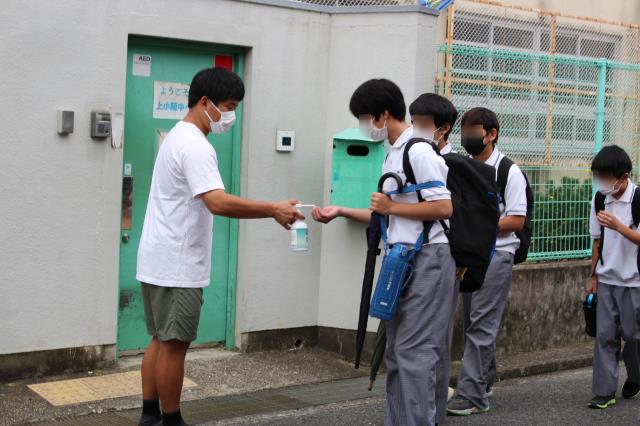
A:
(125, 238)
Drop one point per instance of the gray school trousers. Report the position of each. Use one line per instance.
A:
(482, 314)
(418, 342)
(618, 314)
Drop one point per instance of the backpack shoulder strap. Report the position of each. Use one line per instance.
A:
(598, 204)
(635, 207)
(503, 175)
(406, 163)
(635, 213)
(411, 178)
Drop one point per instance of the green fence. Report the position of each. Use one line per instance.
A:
(562, 88)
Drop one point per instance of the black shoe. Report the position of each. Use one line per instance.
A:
(148, 420)
(602, 402)
(630, 389)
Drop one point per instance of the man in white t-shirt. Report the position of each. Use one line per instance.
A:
(174, 257)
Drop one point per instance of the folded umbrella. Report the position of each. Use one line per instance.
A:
(374, 234)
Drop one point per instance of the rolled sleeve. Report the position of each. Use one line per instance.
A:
(430, 167)
(515, 194)
(200, 166)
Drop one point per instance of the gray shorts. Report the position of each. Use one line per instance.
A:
(172, 313)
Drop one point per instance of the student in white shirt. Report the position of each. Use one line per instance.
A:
(174, 257)
(433, 118)
(483, 309)
(417, 354)
(616, 279)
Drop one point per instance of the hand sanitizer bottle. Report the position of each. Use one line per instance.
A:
(300, 233)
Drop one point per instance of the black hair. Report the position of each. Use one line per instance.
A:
(218, 84)
(483, 116)
(438, 107)
(377, 96)
(611, 159)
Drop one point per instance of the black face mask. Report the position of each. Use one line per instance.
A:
(474, 145)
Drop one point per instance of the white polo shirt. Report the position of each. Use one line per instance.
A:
(447, 149)
(175, 247)
(618, 253)
(427, 166)
(515, 202)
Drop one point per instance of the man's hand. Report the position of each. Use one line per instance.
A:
(593, 285)
(285, 213)
(610, 221)
(326, 214)
(381, 204)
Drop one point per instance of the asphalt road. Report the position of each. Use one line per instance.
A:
(554, 399)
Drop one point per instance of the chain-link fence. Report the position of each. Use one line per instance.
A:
(562, 87)
(357, 3)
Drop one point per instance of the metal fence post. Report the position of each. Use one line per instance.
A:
(600, 98)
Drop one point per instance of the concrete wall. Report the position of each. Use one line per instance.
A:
(544, 310)
(61, 195)
(352, 38)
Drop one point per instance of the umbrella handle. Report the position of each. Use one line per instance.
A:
(390, 175)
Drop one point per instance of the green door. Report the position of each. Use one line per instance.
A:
(158, 74)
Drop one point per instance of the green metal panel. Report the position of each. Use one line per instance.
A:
(357, 165)
(177, 62)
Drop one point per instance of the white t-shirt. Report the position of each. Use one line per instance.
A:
(619, 255)
(175, 247)
(427, 166)
(515, 202)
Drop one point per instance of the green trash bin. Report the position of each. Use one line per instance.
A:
(357, 166)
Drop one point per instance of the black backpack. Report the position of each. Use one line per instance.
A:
(473, 228)
(598, 203)
(524, 235)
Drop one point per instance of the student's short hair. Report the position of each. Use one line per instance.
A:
(218, 84)
(377, 96)
(611, 159)
(436, 106)
(483, 116)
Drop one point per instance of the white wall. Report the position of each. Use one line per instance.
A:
(402, 48)
(61, 195)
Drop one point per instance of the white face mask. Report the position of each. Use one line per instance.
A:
(606, 189)
(227, 118)
(370, 130)
(425, 134)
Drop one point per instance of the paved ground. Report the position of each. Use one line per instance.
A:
(232, 385)
(217, 373)
(554, 399)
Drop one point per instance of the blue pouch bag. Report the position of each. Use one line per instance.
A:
(397, 266)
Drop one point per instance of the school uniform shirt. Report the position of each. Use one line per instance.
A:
(619, 255)
(175, 247)
(427, 166)
(514, 203)
(447, 149)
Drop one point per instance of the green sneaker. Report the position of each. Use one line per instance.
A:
(489, 392)
(461, 406)
(602, 402)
